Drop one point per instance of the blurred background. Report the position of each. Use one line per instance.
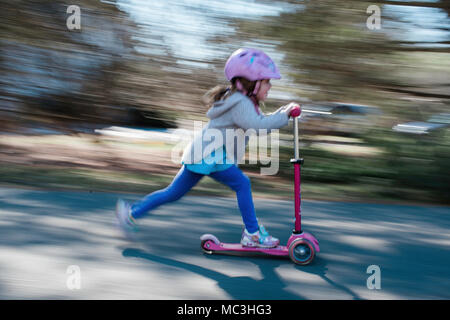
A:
(98, 108)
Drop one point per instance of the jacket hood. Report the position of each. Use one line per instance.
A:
(222, 106)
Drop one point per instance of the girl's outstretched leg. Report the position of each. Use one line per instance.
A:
(184, 181)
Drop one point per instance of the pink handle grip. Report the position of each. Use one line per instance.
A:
(295, 112)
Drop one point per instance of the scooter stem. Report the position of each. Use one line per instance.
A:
(296, 152)
(297, 190)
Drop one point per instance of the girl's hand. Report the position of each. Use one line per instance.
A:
(291, 107)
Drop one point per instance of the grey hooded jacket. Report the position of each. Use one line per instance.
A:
(227, 117)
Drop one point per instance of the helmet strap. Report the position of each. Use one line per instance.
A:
(252, 95)
(257, 86)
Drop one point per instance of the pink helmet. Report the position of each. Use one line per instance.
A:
(251, 64)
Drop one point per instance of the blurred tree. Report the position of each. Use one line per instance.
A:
(329, 47)
(331, 50)
(93, 74)
(332, 55)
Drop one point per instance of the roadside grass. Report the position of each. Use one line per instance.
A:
(95, 180)
(93, 164)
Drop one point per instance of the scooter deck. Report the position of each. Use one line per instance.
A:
(237, 247)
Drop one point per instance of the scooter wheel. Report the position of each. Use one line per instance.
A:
(205, 244)
(301, 251)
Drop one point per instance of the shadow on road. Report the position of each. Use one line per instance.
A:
(271, 286)
(319, 268)
(241, 288)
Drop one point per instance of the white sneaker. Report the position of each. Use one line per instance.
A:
(126, 222)
(260, 239)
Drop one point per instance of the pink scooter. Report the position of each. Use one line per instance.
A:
(301, 246)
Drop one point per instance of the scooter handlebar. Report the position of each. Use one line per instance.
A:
(295, 112)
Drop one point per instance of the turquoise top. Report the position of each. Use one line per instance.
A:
(211, 166)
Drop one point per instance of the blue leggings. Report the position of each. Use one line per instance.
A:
(185, 180)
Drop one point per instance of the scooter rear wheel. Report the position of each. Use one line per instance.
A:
(301, 251)
(206, 241)
(205, 245)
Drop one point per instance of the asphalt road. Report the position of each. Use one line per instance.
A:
(43, 235)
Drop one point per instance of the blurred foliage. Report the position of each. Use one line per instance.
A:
(115, 70)
(49, 73)
(417, 162)
(334, 57)
(329, 48)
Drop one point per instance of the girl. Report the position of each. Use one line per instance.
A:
(234, 107)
